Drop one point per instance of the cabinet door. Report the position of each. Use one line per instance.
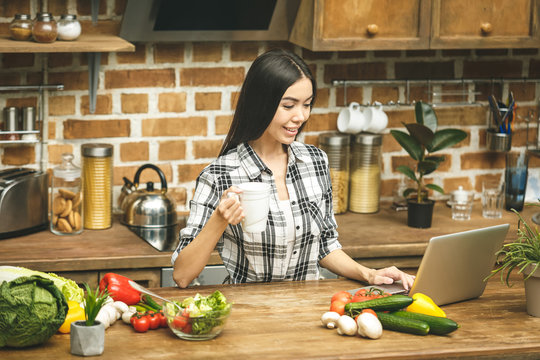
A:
(485, 24)
(334, 25)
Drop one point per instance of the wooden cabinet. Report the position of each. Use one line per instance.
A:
(348, 25)
(332, 25)
(485, 24)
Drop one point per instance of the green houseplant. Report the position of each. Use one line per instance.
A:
(422, 140)
(523, 255)
(88, 337)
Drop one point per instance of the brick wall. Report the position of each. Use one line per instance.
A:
(171, 103)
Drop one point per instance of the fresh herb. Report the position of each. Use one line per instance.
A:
(94, 301)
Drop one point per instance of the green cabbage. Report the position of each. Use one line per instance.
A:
(32, 309)
(68, 287)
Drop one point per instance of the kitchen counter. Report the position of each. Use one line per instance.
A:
(376, 240)
(281, 321)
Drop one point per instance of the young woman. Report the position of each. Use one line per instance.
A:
(274, 104)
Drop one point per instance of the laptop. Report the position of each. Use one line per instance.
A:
(454, 266)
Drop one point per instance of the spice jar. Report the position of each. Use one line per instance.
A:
(69, 28)
(337, 147)
(97, 185)
(365, 173)
(44, 29)
(20, 27)
(66, 198)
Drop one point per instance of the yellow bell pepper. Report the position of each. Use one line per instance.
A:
(75, 313)
(424, 305)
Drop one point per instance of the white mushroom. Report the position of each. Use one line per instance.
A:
(347, 326)
(330, 319)
(369, 326)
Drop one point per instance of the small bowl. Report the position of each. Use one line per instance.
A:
(189, 328)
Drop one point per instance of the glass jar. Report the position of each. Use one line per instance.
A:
(97, 174)
(44, 29)
(365, 173)
(66, 198)
(337, 147)
(69, 28)
(20, 27)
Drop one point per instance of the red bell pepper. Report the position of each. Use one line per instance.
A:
(119, 288)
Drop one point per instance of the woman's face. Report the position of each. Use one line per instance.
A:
(293, 110)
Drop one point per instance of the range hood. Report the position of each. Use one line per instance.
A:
(208, 20)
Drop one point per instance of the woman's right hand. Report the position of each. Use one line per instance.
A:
(229, 207)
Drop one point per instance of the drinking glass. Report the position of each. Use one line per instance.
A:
(515, 176)
(492, 199)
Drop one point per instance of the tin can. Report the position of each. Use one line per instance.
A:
(365, 173)
(337, 147)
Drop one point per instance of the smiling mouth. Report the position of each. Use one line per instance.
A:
(291, 130)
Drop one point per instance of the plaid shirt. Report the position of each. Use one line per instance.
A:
(250, 257)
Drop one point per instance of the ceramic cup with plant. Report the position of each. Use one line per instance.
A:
(422, 140)
(88, 336)
(523, 255)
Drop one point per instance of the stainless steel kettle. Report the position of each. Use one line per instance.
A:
(151, 213)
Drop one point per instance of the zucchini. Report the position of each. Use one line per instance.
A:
(402, 324)
(388, 303)
(437, 325)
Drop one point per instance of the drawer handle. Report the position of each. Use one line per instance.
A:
(372, 29)
(486, 28)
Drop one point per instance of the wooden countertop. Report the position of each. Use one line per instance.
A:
(281, 321)
(372, 238)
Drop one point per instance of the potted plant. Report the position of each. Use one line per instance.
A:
(420, 142)
(524, 255)
(88, 336)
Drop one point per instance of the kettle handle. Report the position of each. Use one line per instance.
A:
(158, 170)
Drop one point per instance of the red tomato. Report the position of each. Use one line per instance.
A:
(368, 294)
(187, 329)
(338, 306)
(180, 322)
(370, 311)
(155, 321)
(344, 296)
(163, 319)
(141, 324)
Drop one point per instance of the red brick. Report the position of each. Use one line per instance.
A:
(206, 148)
(59, 60)
(73, 80)
(208, 101)
(424, 70)
(18, 155)
(355, 94)
(222, 124)
(83, 59)
(207, 52)
(308, 55)
(184, 126)
(17, 60)
(134, 103)
(84, 8)
(189, 172)
(172, 102)
(451, 184)
(479, 179)
(56, 151)
(219, 76)
(87, 129)
(172, 150)
(491, 68)
(387, 53)
(179, 195)
(61, 105)
(168, 53)
(21, 102)
(483, 160)
(120, 7)
(11, 8)
(10, 79)
(134, 151)
(129, 172)
(139, 78)
(136, 57)
(323, 99)
(357, 71)
(388, 186)
(384, 94)
(523, 91)
(244, 51)
(110, 27)
(103, 104)
(351, 54)
(321, 122)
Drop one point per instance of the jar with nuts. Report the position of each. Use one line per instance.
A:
(66, 198)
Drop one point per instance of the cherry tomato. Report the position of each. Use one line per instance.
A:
(368, 294)
(154, 320)
(180, 322)
(163, 319)
(187, 329)
(344, 296)
(141, 324)
(370, 311)
(338, 306)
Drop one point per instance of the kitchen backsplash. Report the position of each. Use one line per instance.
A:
(170, 104)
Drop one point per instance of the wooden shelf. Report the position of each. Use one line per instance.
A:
(91, 43)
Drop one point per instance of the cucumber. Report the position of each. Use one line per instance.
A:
(147, 300)
(388, 303)
(402, 324)
(437, 325)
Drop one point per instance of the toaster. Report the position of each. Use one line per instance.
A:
(23, 202)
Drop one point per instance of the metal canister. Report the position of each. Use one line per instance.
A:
(97, 160)
(365, 173)
(29, 122)
(337, 147)
(11, 122)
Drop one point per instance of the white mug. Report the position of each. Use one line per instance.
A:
(376, 119)
(255, 200)
(351, 119)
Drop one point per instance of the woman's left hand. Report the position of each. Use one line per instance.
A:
(389, 275)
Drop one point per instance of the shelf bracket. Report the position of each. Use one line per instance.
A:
(95, 11)
(94, 60)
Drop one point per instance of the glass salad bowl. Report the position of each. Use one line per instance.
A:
(194, 322)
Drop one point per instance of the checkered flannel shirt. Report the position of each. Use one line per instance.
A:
(250, 257)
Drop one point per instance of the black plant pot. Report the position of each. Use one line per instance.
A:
(419, 215)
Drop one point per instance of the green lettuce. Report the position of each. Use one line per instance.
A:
(68, 287)
(205, 312)
(32, 309)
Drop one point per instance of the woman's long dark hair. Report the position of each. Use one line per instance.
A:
(270, 75)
